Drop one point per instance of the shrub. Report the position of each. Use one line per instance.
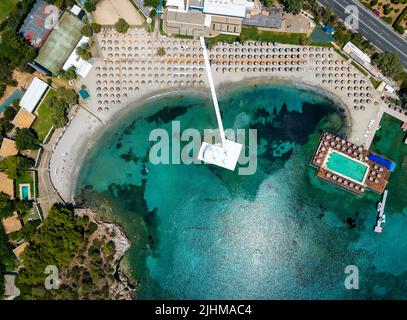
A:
(87, 31)
(122, 26)
(26, 138)
(96, 27)
(161, 51)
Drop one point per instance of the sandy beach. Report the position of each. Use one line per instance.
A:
(132, 81)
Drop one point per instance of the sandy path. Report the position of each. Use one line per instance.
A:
(109, 11)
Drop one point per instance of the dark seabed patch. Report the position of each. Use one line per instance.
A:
(201, 232)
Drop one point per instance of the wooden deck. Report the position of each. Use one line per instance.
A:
(377, 175)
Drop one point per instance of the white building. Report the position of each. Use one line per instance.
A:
(82, 66)
(33, 95)
(350, 49)
(231, 8)
(178, 5)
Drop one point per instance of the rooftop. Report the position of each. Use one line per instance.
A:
(6, 185)
(33, 95)
(233, 8)
(82, 66)
(267, 18)
(8, 148)
(20, 249)
(12, 224)
(23, 119)
(10, 289)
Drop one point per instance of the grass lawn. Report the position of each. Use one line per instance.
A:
(6, 6)
(357, 66)
(252, 33)
(26, 178)
(375, 82)
(43, 123)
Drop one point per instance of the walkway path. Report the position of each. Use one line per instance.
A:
(47, 192)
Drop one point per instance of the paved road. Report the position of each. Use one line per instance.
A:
(372, 28)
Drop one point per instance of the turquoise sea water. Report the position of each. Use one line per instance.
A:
(200, 232)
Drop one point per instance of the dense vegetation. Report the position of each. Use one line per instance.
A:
(389, 63)
(15, 52)
(55, 243)
(26, 139)
(151, 3)
(15, 166)
(292, 6)
(7, 258)
(59, 104)
(83, 259)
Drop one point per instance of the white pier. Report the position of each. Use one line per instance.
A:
(227, 153)
(381, 217)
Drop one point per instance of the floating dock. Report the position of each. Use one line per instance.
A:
(349, 166)
(381, 218)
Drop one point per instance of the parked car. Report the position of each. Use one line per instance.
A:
(376, 12)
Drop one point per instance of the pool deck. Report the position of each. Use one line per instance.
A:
(376, 178)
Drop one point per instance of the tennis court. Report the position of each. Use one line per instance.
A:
(60, 43)
(346, 166)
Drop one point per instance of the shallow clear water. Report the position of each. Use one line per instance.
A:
(200, 232)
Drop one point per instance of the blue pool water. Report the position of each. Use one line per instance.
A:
(199, 232)
(25, 192)
(16, 95)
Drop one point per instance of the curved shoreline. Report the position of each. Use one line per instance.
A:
(73, 142)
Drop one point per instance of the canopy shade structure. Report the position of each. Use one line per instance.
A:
(33, 95)
(82, 66)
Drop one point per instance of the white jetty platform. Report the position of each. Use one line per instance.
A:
(381, 217)
(226, 153)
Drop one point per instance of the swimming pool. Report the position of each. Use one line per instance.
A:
(25, 192)
(16, 95)
(346, 166)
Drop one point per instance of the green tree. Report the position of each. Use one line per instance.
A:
(6, 206)
(69, 96)
(161, 51)
(292, 6)
(389, 63)
(122, 26)
(151, 3)
(26, 138)
(9, 113)
(69, 74)
(87, 31)
(90, 5)
(5, 126)
(83, 53)
(54, 243)
(58, 112)
(2, 85)
(403, 94)
(15, 166)
(96, 27)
